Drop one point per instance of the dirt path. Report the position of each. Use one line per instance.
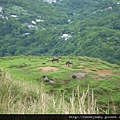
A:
(48, 69)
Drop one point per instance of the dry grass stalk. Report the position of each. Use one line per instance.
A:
(24, 98)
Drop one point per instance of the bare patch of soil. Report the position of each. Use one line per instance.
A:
(69, 67)
(79, 75)
(48, 69)
(105, 72)
(87, 70)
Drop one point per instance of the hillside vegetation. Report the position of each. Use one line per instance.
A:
(23, 89)
(78, 28)
(19, 97)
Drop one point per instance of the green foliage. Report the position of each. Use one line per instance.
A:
(30, 69)
(93, 25)
(18, 66)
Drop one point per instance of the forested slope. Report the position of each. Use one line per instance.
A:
(85, 28)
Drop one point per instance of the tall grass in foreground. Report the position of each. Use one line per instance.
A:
(18, 97)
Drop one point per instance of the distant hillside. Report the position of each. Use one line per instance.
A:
(85, 28)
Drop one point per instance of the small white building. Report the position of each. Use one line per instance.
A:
(110, 8)
(25, 34)
(14, 16)
(66, 36)
(39, 20)
(1, 9)
(32, 26)
(50, 1)
(33, 22)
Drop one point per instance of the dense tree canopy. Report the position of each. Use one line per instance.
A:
(35, 27)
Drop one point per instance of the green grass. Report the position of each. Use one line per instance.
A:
(103, 67)
(117, 72)
(92, 73)
(27, 69)
(18, 97)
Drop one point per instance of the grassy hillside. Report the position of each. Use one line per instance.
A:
(102, 77)
(21, 97)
